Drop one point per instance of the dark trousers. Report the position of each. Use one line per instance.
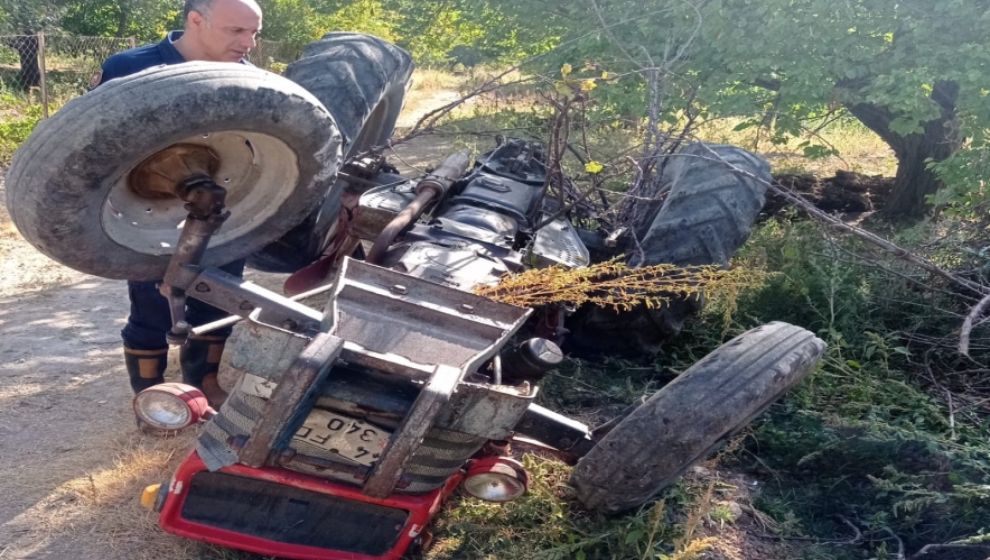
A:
(150, 318)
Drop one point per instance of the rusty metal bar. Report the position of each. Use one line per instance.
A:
(297, 385)
(427, 324)
(556, 430)
(206, 202)
(357, 472)
(421, 417)
(236, 295)
(234, 319)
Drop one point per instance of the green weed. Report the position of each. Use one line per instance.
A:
(16, 126)
(863, 446)
(547, 524)
(865, 440)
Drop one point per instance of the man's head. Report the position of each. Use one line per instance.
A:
(220, 30)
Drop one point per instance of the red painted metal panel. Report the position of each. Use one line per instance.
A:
(421, 510)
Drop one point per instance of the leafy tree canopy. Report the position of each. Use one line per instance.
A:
(913, 71)
(29, 16)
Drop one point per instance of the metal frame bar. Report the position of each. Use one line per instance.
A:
(240, 297)
(420, 419)
(297, 385)
(571, 437)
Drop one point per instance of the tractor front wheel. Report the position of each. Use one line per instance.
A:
(685, 421)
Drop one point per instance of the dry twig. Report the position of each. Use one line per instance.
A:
(967, 327)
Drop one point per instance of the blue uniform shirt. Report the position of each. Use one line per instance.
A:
(141, 58)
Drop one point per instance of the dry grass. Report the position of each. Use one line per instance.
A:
(428, 90)
(428, 80)
(615, 285)
(103, 504)
(859, 149)
(432, 88)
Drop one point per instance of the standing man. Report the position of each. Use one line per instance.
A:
(218, 31)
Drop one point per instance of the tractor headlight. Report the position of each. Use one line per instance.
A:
(496, 479)
(171, 406)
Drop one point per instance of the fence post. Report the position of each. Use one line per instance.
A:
(43, 71)
(132, 42)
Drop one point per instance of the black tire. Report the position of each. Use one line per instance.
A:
(686, 420)
(67, 189)
(710, 210)
(362, 81)
(707, 216)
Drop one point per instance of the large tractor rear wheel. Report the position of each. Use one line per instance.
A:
(707, 215)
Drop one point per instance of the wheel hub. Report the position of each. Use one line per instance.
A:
(159, 176)
(144, 209)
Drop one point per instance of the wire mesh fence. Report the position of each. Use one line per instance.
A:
(72, 61)
(51, 69)
(19, 62)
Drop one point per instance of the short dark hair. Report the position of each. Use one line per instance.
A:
(200, 6)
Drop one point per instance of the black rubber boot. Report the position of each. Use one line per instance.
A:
(199, 358)
(145, 367)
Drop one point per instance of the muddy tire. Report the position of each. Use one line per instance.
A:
(362, 81)
(707, 216)
(70, 193)
(710, 211)
(686, 420)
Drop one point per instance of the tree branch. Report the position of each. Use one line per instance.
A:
(967, 327)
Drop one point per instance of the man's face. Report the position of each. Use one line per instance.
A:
(228, 30)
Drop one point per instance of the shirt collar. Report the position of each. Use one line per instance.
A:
(167, 50)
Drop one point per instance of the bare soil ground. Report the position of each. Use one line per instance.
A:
(846, 192)
(71, 458)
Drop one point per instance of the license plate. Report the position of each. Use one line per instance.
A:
(347, 437)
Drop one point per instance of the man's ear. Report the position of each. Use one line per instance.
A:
(195, 19)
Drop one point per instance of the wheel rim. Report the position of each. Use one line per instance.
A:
(259, 172)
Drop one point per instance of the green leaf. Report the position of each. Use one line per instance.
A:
(905, 125)
(634, 536)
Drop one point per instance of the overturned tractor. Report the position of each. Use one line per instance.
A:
(354, 418)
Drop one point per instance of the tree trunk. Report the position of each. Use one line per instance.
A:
(123, 19)
(29, 75)
(937, 141)
(914, 181)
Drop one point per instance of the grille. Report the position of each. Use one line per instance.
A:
(291, 515)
